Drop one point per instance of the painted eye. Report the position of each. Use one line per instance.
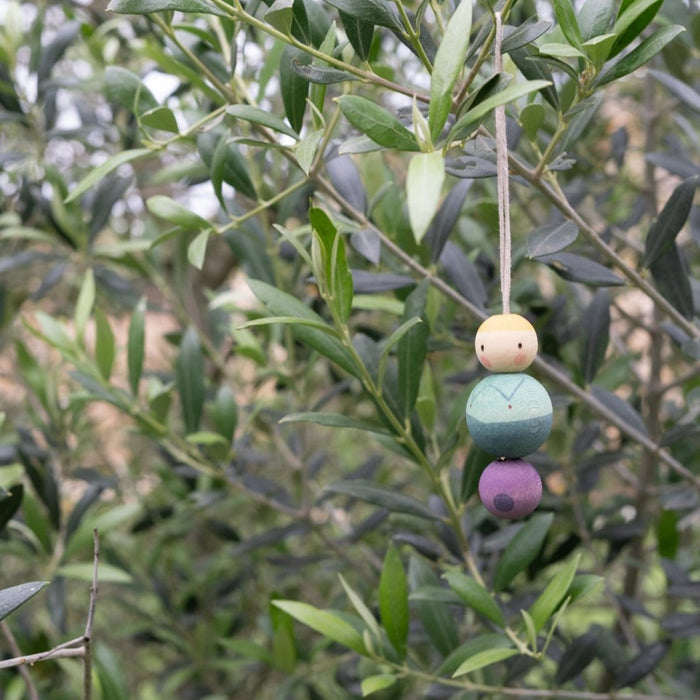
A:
(482, 348)
(520, 346)
(510, 488)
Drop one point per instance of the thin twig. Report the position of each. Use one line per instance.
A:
(16, 651)
(87, 663)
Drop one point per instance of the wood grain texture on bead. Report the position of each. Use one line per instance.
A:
(506, 343)
(509, 415)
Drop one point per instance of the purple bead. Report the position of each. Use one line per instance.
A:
(510, 488)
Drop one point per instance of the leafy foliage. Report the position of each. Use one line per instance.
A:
(231, 229)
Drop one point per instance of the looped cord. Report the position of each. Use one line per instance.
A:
(502, 181)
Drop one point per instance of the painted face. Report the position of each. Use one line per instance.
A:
(510, 488)
(506, 343)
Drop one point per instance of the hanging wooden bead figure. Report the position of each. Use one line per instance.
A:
(509, 414)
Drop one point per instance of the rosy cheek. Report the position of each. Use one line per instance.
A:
(485, 361)
(520, 358)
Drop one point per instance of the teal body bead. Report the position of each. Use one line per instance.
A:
(509, 415)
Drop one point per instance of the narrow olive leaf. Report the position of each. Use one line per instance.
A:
(522, 549)
(11, 598)
(325, 622)
(640, 55)
(577, 656)
(225, 413)
(255, 115)
(474, 646)
(446, 217)
(160, 118)
(280, 303)
(568, 24)
(529, 628)
(426, 174)
(382, 496)
(684, 92)
(335, 420)
(84, 304)
(583, 584)
(377, 123)
(371, 11)
(464, 125)
(362, 610)
(111, 164)
(598, 49)
(136, 344)
(594, 18)
(475, 596)
(517, 37)
(167, 208)
(576, 268)
(671, 278)
(643, 664)
(291, 321)
(449, 61)
(9, 504)
(578, 119)
(197, 249)
(359, 33)
(126, 89)
(668, 224)
(412, 349)
(620, 407)
(553, 594)
(105, 348)
(294, 88)
(373, 684)
(534, 68)
(631, 20)
(436, 618)
(474, 464)
(391, 341)
(145, 7)
(550, 239)
(483, 659)
(281, 16)
(596, 335)
(393, 600)
(189, 378)
(321, 75)
(337, 273)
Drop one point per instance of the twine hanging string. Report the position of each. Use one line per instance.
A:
(502, 182)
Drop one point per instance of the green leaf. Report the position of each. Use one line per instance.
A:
(189, 378)
(112, 163)
(144, 7)
(373, 684)
(136, 345)
(566, 19)
(560, 51)
(160, 118)
(371, 11)
(643, 663)
(306, 150)
(555, 591)
(393, 600)
(362, 610)
(632, 18)
(531, 119)
(280, 303)
(294, 88)
(522, 549)
(255, 115)
(382, 496)
(667, 534)
(594, 18)
(640, 55)
(576, 268)
(438, 621)
(580, 652)
(671, 278)
(9, 504)
(449, 61)
(176, 213)
(84, 571)
(474, 464)
(374, 121)
(335, 420)
(336, 273)
(105, 349)
(281, 15)
(327, 623)
(598, 49)
(359, 33)
(513, 92)
(84, 304)
(668, 224)
(483, 659)
(552, 238)
(622, 408)
(391, 341)
(475, 596)
(126, 89)
(197, 249)
(474, 646)
(578, 119)
(426, 173)
(15, 596)
(412, 349)
(225, 413)
(321, 75)
(291, 321)
(583, 584)
(596, 335)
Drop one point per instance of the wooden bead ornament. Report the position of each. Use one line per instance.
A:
(509, 414)
(510, 488)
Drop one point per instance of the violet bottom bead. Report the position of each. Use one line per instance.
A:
(510, 488)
